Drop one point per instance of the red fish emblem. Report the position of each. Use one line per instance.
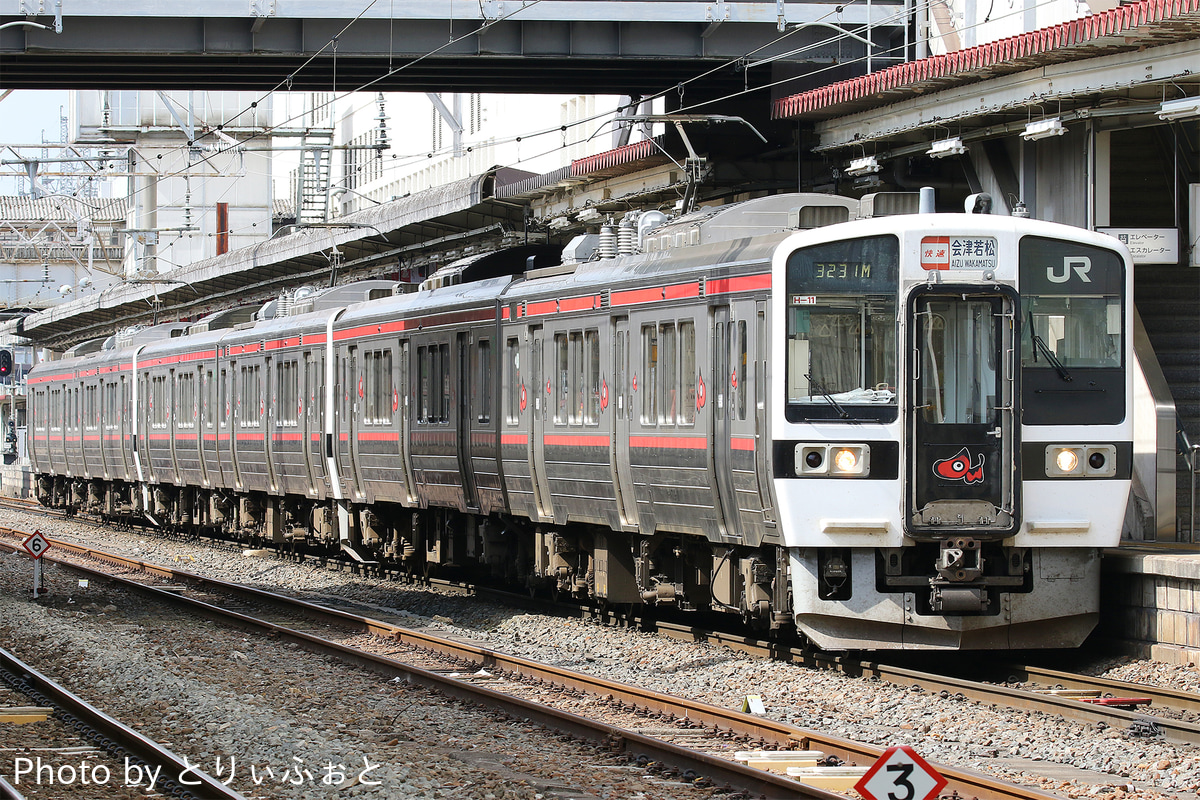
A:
(958, 467)
(604, 394)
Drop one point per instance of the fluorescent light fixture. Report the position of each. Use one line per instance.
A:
(1180, 109)
(863, 166)
(589, 215)
(1044, 128)
(946, 148)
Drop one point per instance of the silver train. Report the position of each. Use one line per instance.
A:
(905, 431)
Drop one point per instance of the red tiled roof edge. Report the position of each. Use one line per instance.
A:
(1074, 32)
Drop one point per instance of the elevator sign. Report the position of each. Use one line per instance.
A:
(958, 252)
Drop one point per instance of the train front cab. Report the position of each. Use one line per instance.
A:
(955, 446)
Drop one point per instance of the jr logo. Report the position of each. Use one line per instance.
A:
(958, 467)
(1080, 265)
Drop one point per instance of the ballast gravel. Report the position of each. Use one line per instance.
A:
(1066, 758)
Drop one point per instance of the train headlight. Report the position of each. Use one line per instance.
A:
(1081, 460)
(836, 460)
(847, 461)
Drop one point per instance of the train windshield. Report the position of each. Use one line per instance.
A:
(841, 330)
(1072, 332)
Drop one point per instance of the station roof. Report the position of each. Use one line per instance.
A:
(1133, 54)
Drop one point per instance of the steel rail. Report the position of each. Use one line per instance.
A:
(1008, 696)
(121, 735)
(718, 770)
(9, 792)
(780, 734)
(1051, 678)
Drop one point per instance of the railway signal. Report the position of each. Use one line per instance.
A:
(900, 774)
(6, 363)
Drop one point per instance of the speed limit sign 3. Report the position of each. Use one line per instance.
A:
(900, 774)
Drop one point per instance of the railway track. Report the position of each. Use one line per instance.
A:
(1169, 712)
(81, 740)
(695, 739)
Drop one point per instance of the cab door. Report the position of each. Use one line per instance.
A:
(963, 453)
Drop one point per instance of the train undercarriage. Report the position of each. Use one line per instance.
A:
(586, 563)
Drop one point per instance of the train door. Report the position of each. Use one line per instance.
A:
(725, 379)
(404, 420)
(619, 452)
(761, 463)
(352, 383)
(466, 467)
(233, 417)
(145, 413)
(962, 453)
(309, 422)
(104, 401)
(271, 419)
(123, 425)
(537, 441)
(205, 378)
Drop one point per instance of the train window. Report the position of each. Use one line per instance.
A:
(575, 408)
(91, 416)
(649, 375)
(483, 380)
(210, 401)
(159, 411)
(377, 392)
(424, 368)
(187, 401)
(591, 354)
(223, 393)
(740, 373)
(513, 359)
(443, 353)
(287, 383)
(668, 375)
(564, 378)
(56, 409)
(619, 374)
(687, 372)
(251, 405)
(841, 331)
(958, 379)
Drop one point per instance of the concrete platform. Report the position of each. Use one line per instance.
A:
(1150, 597)
(16, 480)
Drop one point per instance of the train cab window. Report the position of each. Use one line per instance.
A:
(591, 370)
(513, 367)
(1072, 332)
(841, 327)
(687, 372)
(482, 370)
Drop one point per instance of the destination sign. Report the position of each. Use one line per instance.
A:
(958, 252)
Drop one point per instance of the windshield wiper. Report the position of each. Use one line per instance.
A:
(1040, 344)
(822, 391)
